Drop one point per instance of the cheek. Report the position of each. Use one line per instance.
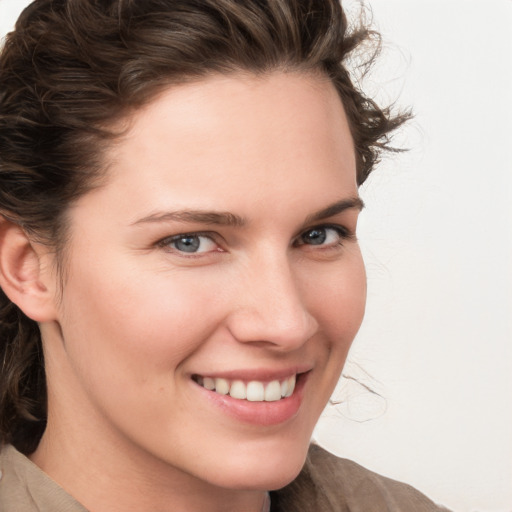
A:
(338, 299)
(139, 326)
(340, 310)
(127, 343)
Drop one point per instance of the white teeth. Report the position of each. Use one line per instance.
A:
(209, 383)
(238, 390)
(222, 386)
(273, 391)
(284, 387)
(255, 391)
(291, 386)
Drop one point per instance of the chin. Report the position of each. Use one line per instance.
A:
(263, 469)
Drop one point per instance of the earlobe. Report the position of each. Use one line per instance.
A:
(23, 277)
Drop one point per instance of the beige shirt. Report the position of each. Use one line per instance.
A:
(326, 484)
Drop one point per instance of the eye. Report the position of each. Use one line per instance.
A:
(323, 236)
(193, 243)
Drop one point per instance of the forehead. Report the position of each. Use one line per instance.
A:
(227, 142)
(244, 117)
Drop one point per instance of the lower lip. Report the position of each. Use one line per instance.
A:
(259, 413)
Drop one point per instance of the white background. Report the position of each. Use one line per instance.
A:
(436, 344)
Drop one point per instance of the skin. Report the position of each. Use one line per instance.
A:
(128, 428)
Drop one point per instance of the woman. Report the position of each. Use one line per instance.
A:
(180, 273)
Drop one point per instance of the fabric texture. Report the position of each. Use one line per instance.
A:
(25, 488)
(326, 484)
(330, 484)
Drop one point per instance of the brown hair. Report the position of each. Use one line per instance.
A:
(72, 68)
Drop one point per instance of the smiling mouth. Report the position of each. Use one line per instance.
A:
(252, 391)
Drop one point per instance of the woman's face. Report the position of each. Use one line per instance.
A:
(220, 252)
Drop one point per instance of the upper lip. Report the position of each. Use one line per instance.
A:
(259, 374)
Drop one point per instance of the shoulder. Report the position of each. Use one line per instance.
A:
(25, 488)
(330, 484)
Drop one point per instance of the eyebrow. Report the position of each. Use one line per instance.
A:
(233, 220)
(336, 208)
(196, 216)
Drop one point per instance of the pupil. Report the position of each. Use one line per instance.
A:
(187, 244)
(315, 237)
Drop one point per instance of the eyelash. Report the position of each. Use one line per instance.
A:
(342, 232)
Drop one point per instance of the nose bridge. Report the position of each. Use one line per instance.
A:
(272, 308)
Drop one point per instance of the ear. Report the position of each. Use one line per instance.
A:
(25, 275)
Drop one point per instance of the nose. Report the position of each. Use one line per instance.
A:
(270, 307)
